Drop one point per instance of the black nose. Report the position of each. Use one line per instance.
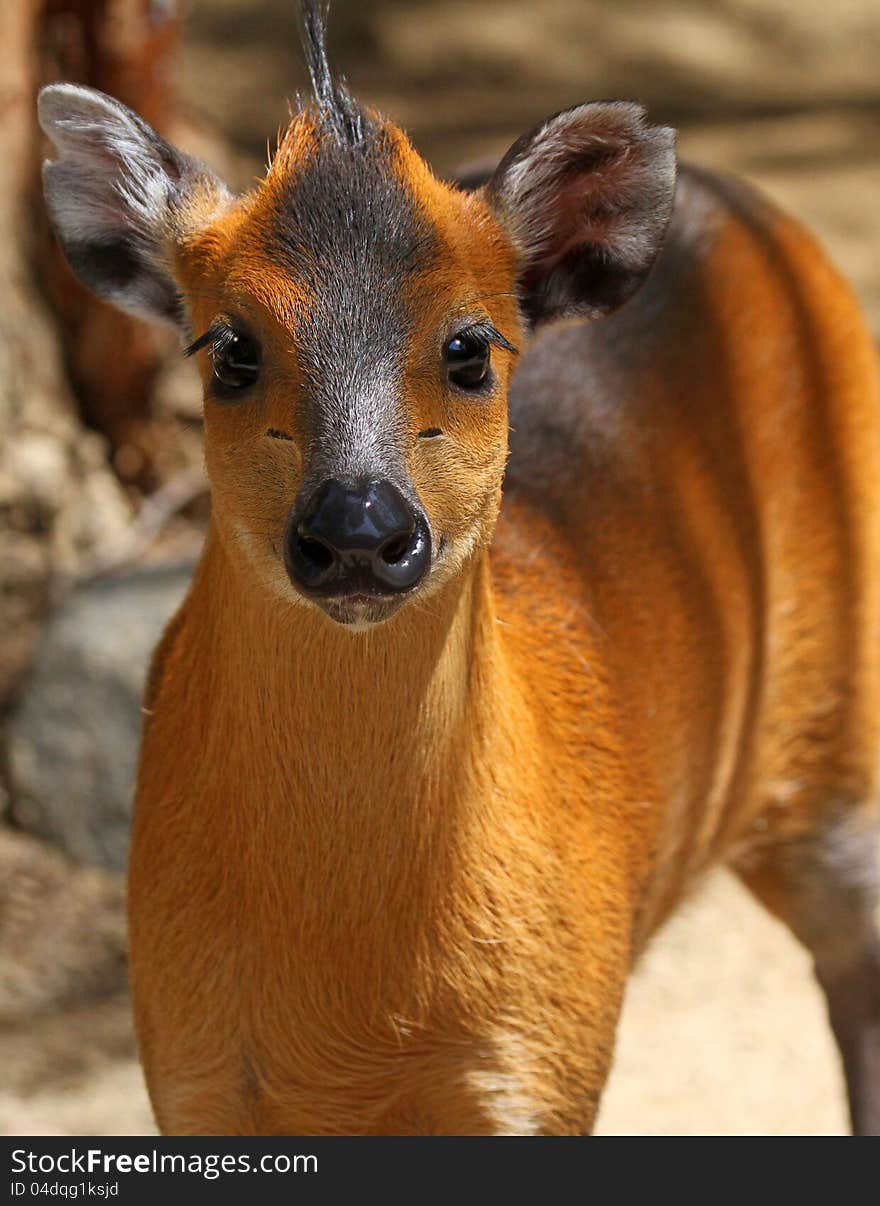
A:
(357, 538)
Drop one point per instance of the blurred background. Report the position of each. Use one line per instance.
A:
(103, 501)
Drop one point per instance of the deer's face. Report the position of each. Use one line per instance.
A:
(356, 320)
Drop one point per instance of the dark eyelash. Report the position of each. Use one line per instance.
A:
(485, 330)
(218, 336)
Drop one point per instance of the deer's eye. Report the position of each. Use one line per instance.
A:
(236, 361)
(467, 360)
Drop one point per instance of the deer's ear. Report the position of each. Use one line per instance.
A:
(586, 196)
(120, 199)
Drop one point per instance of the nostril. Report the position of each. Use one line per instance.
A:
(395, 549)
(353, 538)
(315, 552)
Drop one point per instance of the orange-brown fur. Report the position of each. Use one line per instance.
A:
(394, 881)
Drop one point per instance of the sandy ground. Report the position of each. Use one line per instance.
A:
(724, 1031)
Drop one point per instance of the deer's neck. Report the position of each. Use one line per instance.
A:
(368, 726)
(336, 792)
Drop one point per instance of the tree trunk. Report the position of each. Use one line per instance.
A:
(66, 358)
(124, 48)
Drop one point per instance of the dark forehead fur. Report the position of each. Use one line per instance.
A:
(346, 204)
(351, 235)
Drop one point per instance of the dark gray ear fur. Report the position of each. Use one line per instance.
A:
(587, 196)
(119, 197)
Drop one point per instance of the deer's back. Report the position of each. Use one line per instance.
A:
(691, 505)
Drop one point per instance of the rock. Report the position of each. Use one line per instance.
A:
(73, 734)
(62, 933)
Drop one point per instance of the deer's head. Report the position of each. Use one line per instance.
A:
(356, 319)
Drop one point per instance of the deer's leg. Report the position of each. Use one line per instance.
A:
(825, 886)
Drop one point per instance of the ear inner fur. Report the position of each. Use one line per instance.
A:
(121, 198)
(586, 196)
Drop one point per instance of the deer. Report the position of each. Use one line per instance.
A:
(542, 575)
